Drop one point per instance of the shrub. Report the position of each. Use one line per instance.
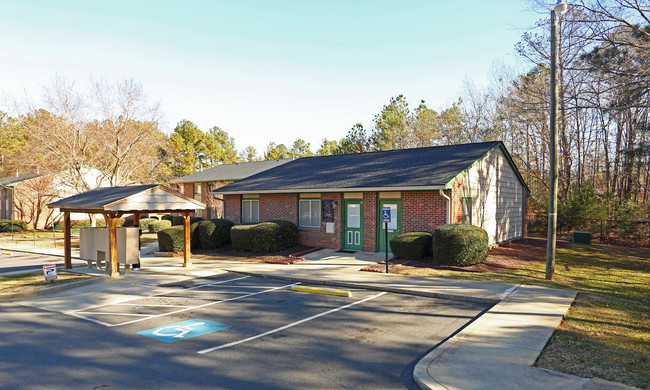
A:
(171, 239)
(128, 221)
(412, 245)
(12, 225)
(270, 236)
(166, 217)
(214, 233)
(144, 223)
(156, 226)
(195, 220)
(460, 245)
(177, 220)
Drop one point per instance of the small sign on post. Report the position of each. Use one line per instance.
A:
(385, 218)
(49, 270)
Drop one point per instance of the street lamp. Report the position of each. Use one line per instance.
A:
(560, 7)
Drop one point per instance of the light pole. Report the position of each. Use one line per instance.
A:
(560, 7)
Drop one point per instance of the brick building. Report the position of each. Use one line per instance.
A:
(337, 201)
(199, 185)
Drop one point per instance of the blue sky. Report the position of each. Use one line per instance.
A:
(264, 70)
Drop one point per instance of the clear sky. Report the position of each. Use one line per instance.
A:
(264, 70)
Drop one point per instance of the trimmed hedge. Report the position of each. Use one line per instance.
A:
(264, 237)
(178, 219)
(171, 239)
(460, 245)
(144, 223)
(99, 222)
(15, 225)
(411, 245)
(214, 233)
(166, 217)
(156, 226)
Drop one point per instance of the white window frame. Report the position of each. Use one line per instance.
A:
(314, 206)
(250, 203)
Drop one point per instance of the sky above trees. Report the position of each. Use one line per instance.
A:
(264, 71)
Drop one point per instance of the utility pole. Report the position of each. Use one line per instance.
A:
(561, 8)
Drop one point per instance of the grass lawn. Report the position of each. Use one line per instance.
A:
(35, 281)
(606, 333)
(41, 238)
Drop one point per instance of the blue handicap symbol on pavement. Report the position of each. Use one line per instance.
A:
(183, 330)
(385, 214)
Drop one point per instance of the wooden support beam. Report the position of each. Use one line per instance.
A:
(67, 241)
(112, 245)
(136, 219)
(187, 261)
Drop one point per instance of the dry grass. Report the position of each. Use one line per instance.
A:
(35, 281)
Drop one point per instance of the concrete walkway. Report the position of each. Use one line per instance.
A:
(495, 351)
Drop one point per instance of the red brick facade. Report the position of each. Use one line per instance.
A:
(421, 211)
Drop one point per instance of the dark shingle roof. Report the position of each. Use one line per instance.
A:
(100, 197)
(13, 180)
(431, 167)
(227, 172)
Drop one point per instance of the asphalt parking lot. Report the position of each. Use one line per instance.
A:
(227, 331)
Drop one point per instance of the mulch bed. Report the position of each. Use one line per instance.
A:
(512, 255)
(287, 256)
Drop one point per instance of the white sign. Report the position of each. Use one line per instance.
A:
(49, 270)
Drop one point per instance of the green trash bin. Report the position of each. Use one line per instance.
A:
(582, 237)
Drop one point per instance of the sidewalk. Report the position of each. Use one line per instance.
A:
(495, 351)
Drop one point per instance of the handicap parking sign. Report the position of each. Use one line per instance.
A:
(183, 330)
(385, 214)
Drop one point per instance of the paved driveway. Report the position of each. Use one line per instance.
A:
(12, 261)
(226, 331)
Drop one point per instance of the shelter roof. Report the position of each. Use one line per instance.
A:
(142, 198)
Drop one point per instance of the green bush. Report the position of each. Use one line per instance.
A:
(15, 225)
(166, 217)
(171, 239)
(264, 237)
(195, 220)
(460, 245)
(144, 223)
(177, 220)
(412, 245)
(129, 221)
(214, 233)
(156, 226)
(99, 222)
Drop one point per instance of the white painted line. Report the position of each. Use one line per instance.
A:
(115, 313)
(153, 296)
(290, 325)
(138, 304)
(89, 319)
(205, 305)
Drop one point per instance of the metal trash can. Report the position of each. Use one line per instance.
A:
(582, 237)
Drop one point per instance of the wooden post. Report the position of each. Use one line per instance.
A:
(112, 245)
(136, 219)
(67, 241)
(187, 262)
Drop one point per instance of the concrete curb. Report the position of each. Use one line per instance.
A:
(334, 283)
(51, 289)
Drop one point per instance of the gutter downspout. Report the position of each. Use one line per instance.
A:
(442, 193)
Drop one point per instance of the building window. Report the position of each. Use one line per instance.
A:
(250, 210)
(309, 211)
(197, 191)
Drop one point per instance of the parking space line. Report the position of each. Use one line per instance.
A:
(115, 313)
(223, 346)
(74, 314)
(205, 305)
(139, 304)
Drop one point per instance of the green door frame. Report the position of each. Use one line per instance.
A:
(381, 235)
(345, 229)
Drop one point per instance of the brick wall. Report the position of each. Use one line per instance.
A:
(233, 208)
(423, 210)
(319, 237)
(279, 206)
(370, 221)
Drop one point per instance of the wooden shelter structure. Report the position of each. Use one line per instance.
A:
(114, 202)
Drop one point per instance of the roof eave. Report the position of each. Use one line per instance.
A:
(355, 189)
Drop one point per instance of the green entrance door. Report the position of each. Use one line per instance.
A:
(395, 224)
(353, 225)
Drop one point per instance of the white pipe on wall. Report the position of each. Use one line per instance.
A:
(442, 193)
